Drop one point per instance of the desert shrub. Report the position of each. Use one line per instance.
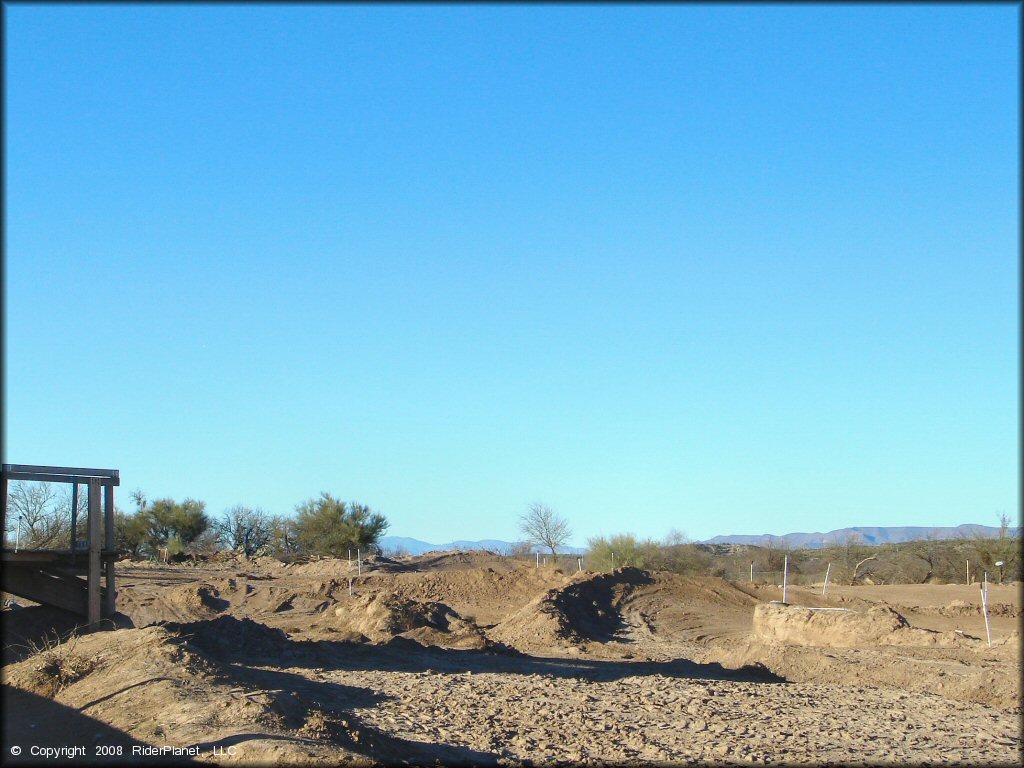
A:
(328, 526)
(621, 549)
(173, 525)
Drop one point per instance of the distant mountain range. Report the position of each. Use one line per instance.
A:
(417, 547)
(865, 535)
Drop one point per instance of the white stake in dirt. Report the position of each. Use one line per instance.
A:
(350, 586)
(538, 561)
(827, 572)
(359, 562)
(350, 558)
(751, 571)
(984, 610)
(579, 563)
(968, 573)
(986, 584)
(785, 576)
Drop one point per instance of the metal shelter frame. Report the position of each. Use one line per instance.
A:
(50, 576)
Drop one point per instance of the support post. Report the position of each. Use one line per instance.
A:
(74, 518)
(827, 572)
(95, 545)
(110, 544)
(751, 571)
(3, 504)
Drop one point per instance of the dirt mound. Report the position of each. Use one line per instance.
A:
(196, 600)
(844, 628)
(330, 566)
(486, 595)
(381, 616)
(227, 638)
(959, 608)
(153, 685)
(586, 609)
(457, 561)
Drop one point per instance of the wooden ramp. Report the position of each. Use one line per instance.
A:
(54, 577)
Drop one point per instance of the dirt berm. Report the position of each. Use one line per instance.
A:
(586, 609)
(844, 628)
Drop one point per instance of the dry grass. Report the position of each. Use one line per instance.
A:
(56, 664)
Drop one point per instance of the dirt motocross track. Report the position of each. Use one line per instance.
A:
(472, 658)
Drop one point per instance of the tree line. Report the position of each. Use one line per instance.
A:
(40, 518)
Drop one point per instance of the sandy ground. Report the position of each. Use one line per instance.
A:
(477, 659)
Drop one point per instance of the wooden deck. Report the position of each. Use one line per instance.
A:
(52, 577)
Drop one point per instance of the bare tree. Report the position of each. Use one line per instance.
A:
(543, 527)
(42, 522)
(244, 528)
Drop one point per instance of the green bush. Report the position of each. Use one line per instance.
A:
(328, 526)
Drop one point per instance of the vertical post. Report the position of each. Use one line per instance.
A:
(359, 562)
(984, 609)
(579, 563)
(350, 586)
(613, 561)
(3, 503)
(95, 545)
(827, 572)
(968, 573)
(986, 584)
(350, 558)
(74, 518)
(110, 544)
(538, 560)
(751, 571)
(785, 577)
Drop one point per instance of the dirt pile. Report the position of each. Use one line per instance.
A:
(169, 686)
(485, 595)
(380, 616)
(844, 628)
(963, 608)
(227, 638)
(584, 610)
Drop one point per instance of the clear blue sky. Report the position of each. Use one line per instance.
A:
(722, 269)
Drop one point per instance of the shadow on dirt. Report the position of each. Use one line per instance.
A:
(36, 721)
(230, 640)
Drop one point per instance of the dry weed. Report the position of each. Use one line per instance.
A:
(56, 664)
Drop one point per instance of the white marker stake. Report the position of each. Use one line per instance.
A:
(785, 576)
(350, 558)
(827, 572)
(579, 562)
(350, 586)
(538, 560)
(968, 573)
(986, 584)
(984, 609)
(751, 571)
(359, 562)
